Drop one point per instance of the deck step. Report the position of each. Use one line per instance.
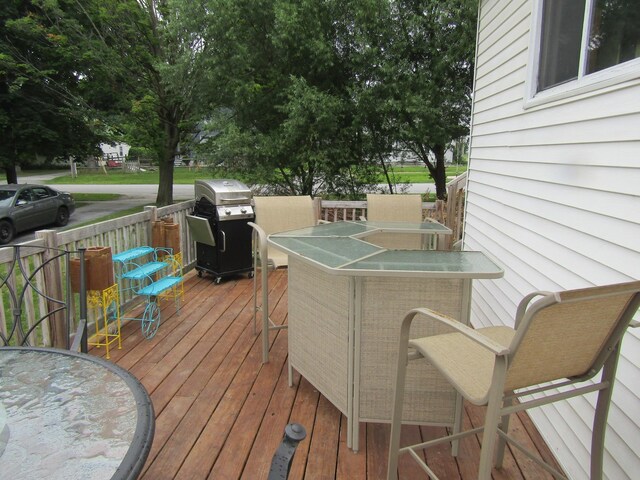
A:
(159, 286)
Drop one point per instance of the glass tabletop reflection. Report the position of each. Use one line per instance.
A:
(69, 416)
(342, 248)
(440, 263)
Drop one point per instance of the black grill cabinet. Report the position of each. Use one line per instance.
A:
(219, 225)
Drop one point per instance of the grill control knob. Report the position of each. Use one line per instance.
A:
(243, 210)
(227, 212)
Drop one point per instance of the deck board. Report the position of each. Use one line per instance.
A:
(220, 413)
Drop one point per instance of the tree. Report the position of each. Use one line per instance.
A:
(158, 53)
(136, 69)
(428, 63)
(320, 94)
(41, 110)
(171, 82)
(304, 95)
(288, 118)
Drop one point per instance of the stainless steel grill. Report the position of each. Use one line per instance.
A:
(219, 225)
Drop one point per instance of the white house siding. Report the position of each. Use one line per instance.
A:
(554, 196)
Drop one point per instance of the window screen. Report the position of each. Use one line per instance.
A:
(567, 52)
(560, 43)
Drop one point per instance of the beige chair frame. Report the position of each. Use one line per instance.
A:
(294, 212)
(588, 324)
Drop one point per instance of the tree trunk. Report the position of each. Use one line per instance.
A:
(386, 174)
(166, 162)
(439, 174)
(11, 173)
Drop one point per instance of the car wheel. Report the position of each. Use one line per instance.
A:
(7, 232)
(62, 218)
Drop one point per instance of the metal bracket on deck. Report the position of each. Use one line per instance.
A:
(294, 433)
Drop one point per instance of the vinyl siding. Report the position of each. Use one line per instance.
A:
(554, 196)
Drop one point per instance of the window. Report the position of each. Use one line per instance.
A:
(24, 196)
(40, 193)
(582, 37)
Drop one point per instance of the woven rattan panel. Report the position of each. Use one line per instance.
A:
(318, 329)
(385, 300)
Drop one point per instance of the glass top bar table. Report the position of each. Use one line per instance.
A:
(347, 298)
(66, 415)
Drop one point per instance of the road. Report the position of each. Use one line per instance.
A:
(132, 196)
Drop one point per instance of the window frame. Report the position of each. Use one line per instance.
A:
(585, 83)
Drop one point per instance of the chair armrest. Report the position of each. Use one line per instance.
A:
(259, 230)
(524, 304)
(262, 241)
(494, 347)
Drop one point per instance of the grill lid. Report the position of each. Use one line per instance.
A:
(223, 192)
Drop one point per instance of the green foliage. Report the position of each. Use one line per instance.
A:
(425, 77)
(39, 112)
(288, 116)
(308, 96)
(318, 96)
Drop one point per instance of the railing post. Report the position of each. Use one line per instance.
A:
(153, 212)
(52, 287)
(84, 342)
(317, 207)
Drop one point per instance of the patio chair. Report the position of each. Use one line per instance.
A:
(395, 208)
(274, 214)
(565, 337)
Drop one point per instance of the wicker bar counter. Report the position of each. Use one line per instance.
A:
(347, 298)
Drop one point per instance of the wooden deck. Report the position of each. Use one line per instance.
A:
(220, 413)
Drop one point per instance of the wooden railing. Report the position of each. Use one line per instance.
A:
(450, 213)
(37, 308)
(335, 211)
(135, 230)
(120, 234)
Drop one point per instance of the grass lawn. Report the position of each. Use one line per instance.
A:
(186, 176)
(81, 198)
(111, 216)
(181, 176)
(420, 174)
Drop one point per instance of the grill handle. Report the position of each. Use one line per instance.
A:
(234, 200)
(224, 242)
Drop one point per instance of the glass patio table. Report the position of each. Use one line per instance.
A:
(68, 415)
(347, 298)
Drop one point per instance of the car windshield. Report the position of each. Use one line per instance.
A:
(6, 196)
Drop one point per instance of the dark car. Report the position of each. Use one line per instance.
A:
(24, 207)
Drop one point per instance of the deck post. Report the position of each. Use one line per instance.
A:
(53, 287)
